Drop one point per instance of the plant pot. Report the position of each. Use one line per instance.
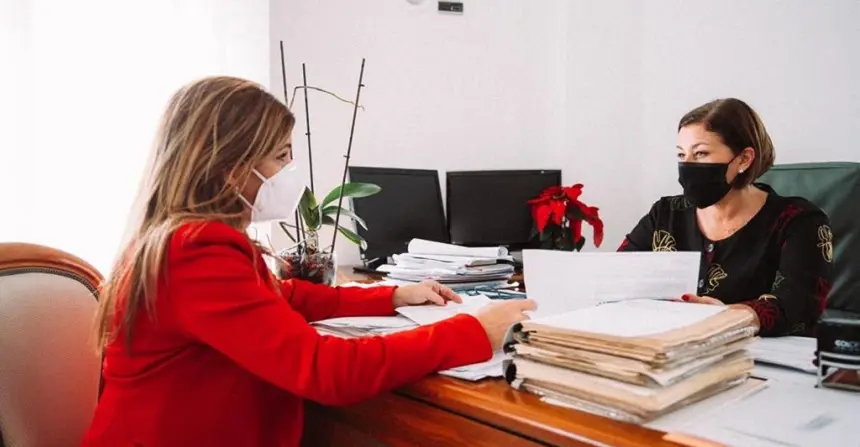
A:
(317, 268)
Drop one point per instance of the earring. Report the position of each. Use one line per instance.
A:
(740, 171)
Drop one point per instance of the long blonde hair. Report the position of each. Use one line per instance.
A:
(213, 133)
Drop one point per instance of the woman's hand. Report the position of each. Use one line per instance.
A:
(690, 298)
(499, 316)
(424, 293)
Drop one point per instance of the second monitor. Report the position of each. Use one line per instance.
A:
(490, 207)
(409, 206)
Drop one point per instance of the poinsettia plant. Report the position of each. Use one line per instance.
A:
(558, 216)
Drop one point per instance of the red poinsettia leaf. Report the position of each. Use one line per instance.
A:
(592, 217)
(550, 192)
(573, 192)
(558, 208)
(580, 207)
(539, 200)
(541, 214)
(576, 230)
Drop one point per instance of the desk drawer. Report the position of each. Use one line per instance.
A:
(393, 421)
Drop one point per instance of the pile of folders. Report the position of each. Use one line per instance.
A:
(632, 360)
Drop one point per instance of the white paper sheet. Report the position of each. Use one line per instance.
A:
(393, 322)
(632, 318)
(477, 371)
(787, 352)
(786, 414)
(431, 313)
(424, 247)
(774, 374)
(681, 419)
(443, 260)
(362, 285)
(562, 281)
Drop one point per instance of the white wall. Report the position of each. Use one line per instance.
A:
(479, 91)
(91, 79)
(796, 62)
(594, 88)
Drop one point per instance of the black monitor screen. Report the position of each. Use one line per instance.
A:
(490, 207)
(409, 206)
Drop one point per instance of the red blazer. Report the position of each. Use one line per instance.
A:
(227, 361)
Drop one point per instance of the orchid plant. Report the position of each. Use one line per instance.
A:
(316, 214)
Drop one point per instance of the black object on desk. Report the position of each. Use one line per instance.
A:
(367, 270)
(838, 350)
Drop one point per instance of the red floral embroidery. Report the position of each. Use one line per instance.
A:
(623, 245)
(785, 217)
(767, 312)
(822, 291)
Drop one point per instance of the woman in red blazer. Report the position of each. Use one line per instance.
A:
(203, 347)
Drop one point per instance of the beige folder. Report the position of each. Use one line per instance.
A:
(626, 369)
(686, 333)
(641, 401)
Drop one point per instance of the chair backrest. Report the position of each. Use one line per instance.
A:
(835, 188)
(49, 370)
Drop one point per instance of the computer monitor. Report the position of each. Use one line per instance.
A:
(490, 207)
(409, 206)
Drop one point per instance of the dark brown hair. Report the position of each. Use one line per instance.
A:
(740, 127)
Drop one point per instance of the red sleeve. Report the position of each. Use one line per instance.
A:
(215, 295)
(317, 302)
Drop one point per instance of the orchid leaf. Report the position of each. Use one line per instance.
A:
(332, 211)
(310, 211)
(351, 190)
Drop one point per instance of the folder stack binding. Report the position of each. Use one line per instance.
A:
(632, 360)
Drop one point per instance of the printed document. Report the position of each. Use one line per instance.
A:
(563, 281)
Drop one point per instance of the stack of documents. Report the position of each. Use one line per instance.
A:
(411, 317)
(794, 353)
(451, 264)
(633, 360)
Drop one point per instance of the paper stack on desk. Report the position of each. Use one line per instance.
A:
(411, 317)
(450, 264)
(633, 360)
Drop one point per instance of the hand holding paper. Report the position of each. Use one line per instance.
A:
(498, 317)
(427, 292)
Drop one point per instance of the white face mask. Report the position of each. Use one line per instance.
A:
(278, 196)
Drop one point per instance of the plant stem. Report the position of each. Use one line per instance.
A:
(308, 126)
(310, 87)
(348, 153)
(284, 73)
(286, 98)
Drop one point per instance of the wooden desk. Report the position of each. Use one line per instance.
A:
(441, 411)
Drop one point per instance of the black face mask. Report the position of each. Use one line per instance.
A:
(704, 183)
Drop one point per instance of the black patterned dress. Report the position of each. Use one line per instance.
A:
(779, 263)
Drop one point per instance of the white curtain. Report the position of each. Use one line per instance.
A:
(83, 84)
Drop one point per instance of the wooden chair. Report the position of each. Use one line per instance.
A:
(49, 369)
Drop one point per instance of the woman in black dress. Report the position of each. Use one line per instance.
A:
(768, 253)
